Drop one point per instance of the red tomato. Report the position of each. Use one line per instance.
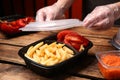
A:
(76, 45)
(13, 27)
(13, 23)
(29, 19)
(0, 25)
(22, 22)
(72, 38)
(9, 28)
(61, 35)
(85, 42)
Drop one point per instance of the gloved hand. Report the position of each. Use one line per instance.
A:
(102, 17)
(49, 13)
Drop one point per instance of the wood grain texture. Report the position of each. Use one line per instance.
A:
(9, 47)
(13, 72)
(24, 40)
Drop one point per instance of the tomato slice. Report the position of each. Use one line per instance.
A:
(85, 42)
(72, 38)
(13, 26)
(61, 35)
(22, 22)
(29, 19)
(76, 45)
(13, 23)
(9, 28)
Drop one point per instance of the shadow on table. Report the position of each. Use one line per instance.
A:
(74, 70)
(8, 36)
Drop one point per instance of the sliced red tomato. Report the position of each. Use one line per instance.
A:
(73, 44)
(13, 27)
(76, 45)
(29, 19)
(72, 38)
(9, 28)
(13, 23)
(61, 35)
(0, 25)
(85, 42)
(22, 22)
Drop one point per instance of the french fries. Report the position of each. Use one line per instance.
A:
(49, 55)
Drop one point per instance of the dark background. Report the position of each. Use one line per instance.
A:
(29, 7)
(79, 9)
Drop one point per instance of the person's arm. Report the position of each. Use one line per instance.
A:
(102, 17)
(116, 9)
(55, 11)
(64, 4)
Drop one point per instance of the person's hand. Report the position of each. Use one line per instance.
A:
(49, 13)
(101, 18)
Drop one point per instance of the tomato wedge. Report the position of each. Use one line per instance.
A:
(72, 38)
(61, 35)
(13, 26)
(22, 22)
(9, 28)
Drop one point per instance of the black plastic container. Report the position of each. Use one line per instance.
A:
(56, 69)
(11, 17)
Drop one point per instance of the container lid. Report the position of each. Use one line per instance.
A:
(104, 54)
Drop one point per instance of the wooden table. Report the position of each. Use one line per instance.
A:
(12, 66)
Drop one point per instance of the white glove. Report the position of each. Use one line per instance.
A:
(102, 17)
(49, 13)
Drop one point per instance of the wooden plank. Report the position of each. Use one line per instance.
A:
(2, 36)
(99, 34)
(9, 48)
(92, 70)
(95, 49)
(13, 72)
(87, 67)
(10, 53)
(100, 40)
(23, 40)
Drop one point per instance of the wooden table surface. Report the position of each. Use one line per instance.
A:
(12, 66)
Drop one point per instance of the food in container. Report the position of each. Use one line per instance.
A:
(57, 68)
(49, 54)
(10, 24)
(109, 64)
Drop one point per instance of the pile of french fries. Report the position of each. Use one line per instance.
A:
(49, 54)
